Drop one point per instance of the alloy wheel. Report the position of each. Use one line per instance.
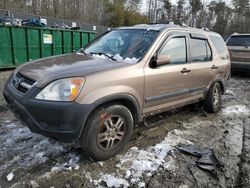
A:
(111, 132)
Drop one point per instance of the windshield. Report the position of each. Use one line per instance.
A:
(239, 41)
(124, 45)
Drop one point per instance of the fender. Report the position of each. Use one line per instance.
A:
(127, 100)
(122, 97)
(222, 83)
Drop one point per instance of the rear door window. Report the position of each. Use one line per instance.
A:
(200, 50)
(220, 47)
(239, 40)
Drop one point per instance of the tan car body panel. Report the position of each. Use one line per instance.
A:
(126, 80)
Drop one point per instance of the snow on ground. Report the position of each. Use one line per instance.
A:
(40, 150)
(25, 149)
(10, 176)
(136, 163)
(72, 164)
(230, 92)
(112, 181)
(236, 109)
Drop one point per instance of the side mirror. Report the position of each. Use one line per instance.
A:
(163, 60)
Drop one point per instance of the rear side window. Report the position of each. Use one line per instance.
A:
(239, 40)
(176, 49)
(200, 50)
(220, 47)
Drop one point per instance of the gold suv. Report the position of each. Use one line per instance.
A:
(97, 95)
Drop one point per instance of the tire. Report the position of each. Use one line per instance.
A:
(107, 131)
(212, 102)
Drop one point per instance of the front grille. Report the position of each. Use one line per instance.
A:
(22, 83)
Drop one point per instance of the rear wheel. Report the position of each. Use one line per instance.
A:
(212, 102)
(107, 131)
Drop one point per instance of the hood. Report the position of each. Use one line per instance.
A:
(69, 65)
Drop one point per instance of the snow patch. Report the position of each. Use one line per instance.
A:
(77, 167)
(229, 92)
(70, 165)
(40, 156)
(236, 109)
(118, 58)
(10, 176)
(100, 56)
(135, 163)
(126, 60)
(112, 181)
(29, 149)
(141, 184)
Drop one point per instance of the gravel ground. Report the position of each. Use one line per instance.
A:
(151, 158)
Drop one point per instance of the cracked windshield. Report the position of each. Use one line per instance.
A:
(123, 45)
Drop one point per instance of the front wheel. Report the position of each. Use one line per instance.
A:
(212, 102)
(107, 131)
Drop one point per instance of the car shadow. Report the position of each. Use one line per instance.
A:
(240, 74)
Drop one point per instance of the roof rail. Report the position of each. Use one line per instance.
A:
(183, 24)
(205, 29)
(154, 23)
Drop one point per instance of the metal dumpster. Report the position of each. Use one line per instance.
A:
(21, 44)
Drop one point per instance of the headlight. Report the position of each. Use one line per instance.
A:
(62, 90)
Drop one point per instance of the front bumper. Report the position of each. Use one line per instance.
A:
(240, 66)
(62, 121)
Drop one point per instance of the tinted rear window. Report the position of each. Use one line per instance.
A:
(239, 41)
(220, 46)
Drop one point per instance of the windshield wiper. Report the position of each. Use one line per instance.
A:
(82, 51)
(101, 53)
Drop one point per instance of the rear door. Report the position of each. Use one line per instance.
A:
(220, 57)
(204, 68)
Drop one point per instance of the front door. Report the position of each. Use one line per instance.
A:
(170, 84)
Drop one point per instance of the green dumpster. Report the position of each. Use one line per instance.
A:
(21, 44)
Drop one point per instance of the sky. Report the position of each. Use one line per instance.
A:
(144, 4)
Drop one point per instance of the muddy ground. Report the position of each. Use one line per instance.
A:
(151, 158)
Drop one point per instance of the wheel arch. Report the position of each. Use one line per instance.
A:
(222, 85)
(124, 99)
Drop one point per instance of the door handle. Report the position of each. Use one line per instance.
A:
(214, 67)
(184, 70)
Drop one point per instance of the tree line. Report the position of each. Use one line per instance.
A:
(99, 12)
(224, 17)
